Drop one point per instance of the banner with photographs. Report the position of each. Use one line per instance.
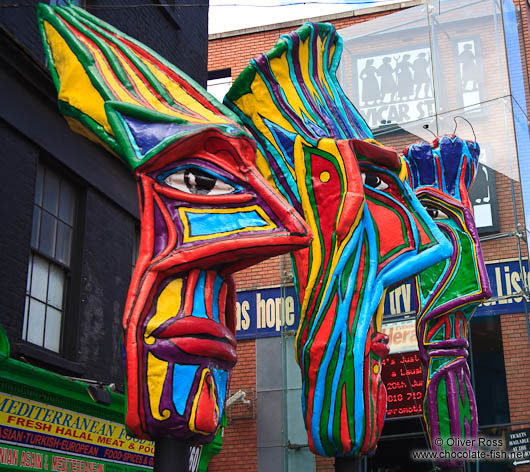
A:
(395, 87)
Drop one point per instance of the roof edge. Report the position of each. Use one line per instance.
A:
(323, 18)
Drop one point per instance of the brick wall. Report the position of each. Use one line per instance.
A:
(179, 34)
(235, 52)
(517, 354)
(239, 452)
(265, 274)
(517, 363)
(108, 244)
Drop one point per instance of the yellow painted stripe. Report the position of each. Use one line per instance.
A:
(182, 97)
(119, 91)
(156, 375)
(309, 217)
(75, 85)
(167, 306)
(379, 312)
(259, 104)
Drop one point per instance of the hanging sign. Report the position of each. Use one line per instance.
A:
(401, 336)
(403, 378)
(265, 312)
(518, 441)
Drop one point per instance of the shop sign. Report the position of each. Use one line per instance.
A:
(35, 436)
(403, 378)
(519, 441)
(401, 336)
(505, 280)
(394, 86)
(265, 312)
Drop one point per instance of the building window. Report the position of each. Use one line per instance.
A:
(49, 262)
(219, 83)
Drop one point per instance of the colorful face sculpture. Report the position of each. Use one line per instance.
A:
(369, 230)
(206, 212)
(448, 293)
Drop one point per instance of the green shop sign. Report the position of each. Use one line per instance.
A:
(43, 437)
(50, 422)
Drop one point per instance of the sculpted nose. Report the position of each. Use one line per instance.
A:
(354, 195)
(349, 215)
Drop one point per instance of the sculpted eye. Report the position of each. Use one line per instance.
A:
(198, 182)
(436, 214)
(374, 181)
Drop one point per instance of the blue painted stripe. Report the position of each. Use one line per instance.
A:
(183, 377)
(341, 320)
(204, 224)
(221, 380)
(218, 283)
(199, 307)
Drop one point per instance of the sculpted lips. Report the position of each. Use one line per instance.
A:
(380, 345)
(199, 335)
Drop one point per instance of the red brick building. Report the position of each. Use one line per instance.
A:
(500, 331)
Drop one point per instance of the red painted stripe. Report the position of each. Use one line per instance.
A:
(222, 303)
(191, 283)
(208, 292)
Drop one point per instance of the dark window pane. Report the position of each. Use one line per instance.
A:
(67, 203)
(64, 242)
(47, 234)
(52, 234)
(51, 192)
(35, 228)
(490, 374)
(38, 185)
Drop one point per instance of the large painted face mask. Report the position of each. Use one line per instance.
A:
(206, 212)
(448, 293)
(369, 229)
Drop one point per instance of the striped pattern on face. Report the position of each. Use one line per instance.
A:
(206, 212)
(369, 231)
(118, 92)
(448, 293)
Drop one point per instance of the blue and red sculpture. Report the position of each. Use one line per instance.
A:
(369, 229)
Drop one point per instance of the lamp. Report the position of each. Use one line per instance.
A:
(99, 394)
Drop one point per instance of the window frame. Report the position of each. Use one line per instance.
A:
(63, 359)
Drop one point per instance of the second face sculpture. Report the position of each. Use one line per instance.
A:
(369, 229)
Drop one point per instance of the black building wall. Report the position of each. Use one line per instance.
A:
(178, 33)
(32, 131)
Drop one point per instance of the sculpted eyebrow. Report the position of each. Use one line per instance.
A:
(375, 154)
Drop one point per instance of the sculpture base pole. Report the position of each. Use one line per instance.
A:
(171, 456)
(348, 464)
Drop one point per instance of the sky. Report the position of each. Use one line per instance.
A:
(229, 15)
